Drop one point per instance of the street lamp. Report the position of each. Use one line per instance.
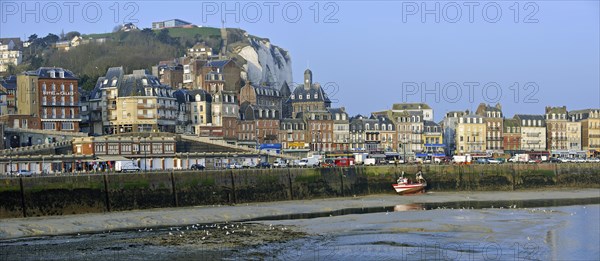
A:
(145, 154)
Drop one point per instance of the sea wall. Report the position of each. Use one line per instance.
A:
(62, 195)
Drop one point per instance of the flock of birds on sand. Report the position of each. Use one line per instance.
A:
(210, 230)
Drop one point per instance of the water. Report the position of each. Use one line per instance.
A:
(553, 233)
(499, 230)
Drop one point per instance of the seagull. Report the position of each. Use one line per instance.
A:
(203, 238)
(227, 233)
(170, 234)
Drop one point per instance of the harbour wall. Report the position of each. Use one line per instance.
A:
(63, 195)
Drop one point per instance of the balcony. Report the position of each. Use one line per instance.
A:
(494, 138)
(112, 117)
(112, 106)
(530, 134)
(475, 142)
(146, 117)
(533, 142)
(146, 106)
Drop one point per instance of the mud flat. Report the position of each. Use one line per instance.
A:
(171, 217)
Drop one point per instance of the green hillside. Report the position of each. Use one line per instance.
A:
(132, 50)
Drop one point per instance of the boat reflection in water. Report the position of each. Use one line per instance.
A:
(408, 207)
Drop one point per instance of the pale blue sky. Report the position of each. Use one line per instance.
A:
(370, 51)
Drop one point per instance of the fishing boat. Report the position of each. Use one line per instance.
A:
(405, 186)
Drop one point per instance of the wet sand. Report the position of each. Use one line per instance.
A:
(171, 217)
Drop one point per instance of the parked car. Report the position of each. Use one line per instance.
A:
(197, 167)
(554, 160)
(302, 163)
(249, 164)
(494, 161)
(264, 165)
(593, 160)
(482, 161)
(234, 165)
(279, 163)
(24, 173)
(578, 160)
(534, 161)
(564, 160)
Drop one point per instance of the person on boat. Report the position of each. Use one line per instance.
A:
(420, 178)
(402, 179)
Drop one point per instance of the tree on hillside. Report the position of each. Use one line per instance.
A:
(50, 39)
(71, 34)
(165, 37)
(32, 38)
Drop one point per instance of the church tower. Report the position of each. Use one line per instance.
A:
(307, 79)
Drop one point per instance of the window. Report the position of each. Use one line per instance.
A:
(113, 148)
(67, 126)
(126, 148)
(49, 125)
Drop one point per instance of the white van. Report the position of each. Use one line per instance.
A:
(126, 166)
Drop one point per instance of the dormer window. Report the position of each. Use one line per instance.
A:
(145, 82)
(52, 74)
(300, 96)
(307, 96)
(316, 96)
(293, 96)
(61, 74)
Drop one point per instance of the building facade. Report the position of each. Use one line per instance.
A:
(493, 118)
(449, 124)
(341, 129)
(433, 140)
(137, 102)
(556, 130)
(52, 96)
(590, 130)
(533, 132)
(470, 135)
(10, 53)
(511, 136)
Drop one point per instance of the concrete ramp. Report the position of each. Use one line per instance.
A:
(232, 148)
(44, 149)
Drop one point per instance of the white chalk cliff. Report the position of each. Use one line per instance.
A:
(265, 62)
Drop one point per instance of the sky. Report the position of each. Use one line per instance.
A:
(372, 54)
